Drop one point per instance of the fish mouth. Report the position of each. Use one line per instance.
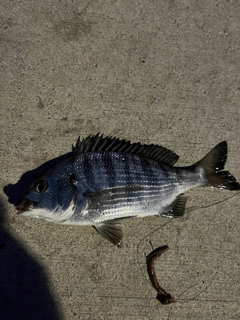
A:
(24, 205)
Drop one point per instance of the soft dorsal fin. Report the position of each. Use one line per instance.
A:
(99, 143)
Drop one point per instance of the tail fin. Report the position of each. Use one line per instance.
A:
(213, 163)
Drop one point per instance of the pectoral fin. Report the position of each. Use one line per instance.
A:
(110, 230)
(108, 198)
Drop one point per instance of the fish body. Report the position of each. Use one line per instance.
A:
(108, 179)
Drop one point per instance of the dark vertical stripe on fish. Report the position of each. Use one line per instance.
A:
(147, 172)
(109, 167)
(89, 170)
(128, 175)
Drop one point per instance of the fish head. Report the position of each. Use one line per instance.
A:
(50, 198)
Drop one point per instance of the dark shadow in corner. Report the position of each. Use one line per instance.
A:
(24, 290)
(16, 192)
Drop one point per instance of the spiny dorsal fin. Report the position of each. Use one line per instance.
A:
(99, 143)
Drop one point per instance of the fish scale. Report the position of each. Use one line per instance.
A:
(109, 170)
(108, 179)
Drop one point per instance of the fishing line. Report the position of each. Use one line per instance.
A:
(177, 299)
(198, 294)
(187, 211)
(138, 252)
(193, 208)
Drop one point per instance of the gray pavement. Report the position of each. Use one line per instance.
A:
(164, 72)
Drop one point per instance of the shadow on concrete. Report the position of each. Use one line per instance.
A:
(16, 192)
(24, 291)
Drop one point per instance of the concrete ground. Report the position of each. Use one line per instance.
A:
(164, 72)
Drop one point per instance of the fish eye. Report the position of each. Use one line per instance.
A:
(40, 186)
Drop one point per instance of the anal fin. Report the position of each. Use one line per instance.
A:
(177, 208)
(110, 230)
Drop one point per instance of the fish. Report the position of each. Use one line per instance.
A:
(107, 179)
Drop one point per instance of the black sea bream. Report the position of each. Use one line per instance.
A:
(108, 179)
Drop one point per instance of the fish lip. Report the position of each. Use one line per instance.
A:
(24, 205)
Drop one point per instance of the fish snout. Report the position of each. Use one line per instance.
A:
(23, 205)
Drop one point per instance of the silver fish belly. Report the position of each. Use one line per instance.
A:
(108, 179)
